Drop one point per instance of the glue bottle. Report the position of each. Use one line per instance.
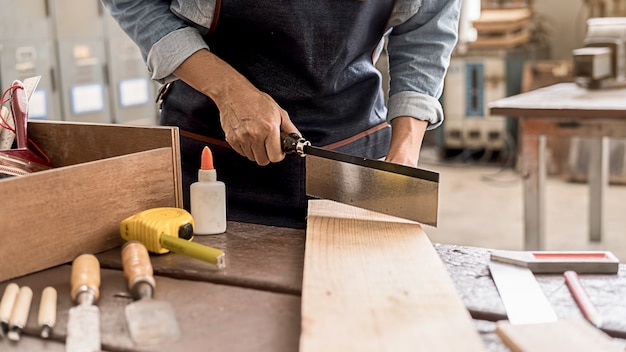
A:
(207, 199)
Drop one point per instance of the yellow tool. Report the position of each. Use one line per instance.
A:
(167, 229)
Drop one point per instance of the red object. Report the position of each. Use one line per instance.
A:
(570, 256)
(582, 299)
(207, 159)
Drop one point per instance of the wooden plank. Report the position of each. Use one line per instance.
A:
(564, 100)
(502, 19)
(575, 127)
(373, 282)
(564, 335)
(52, 216)
(70, 143)
(505, 40)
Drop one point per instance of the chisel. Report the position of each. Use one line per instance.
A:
(47, 311)
(6, 306)
(149, 321)
(19, 315)
(83, 326)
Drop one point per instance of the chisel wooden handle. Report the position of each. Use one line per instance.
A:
(85, 278)
(47, 311)
(19, 316)
(137, 268)
(7, 303)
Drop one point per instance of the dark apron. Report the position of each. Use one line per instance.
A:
(315, 59)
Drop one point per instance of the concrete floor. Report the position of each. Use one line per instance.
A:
(480, 204)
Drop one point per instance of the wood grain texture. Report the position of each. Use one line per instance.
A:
(572, 335)
(71, 143)
(50, 217)
(103, 173)
(375, 283)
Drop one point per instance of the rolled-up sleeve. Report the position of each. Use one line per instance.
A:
(165, 38)
(419, 54)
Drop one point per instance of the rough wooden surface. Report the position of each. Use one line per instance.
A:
(373, 282)
(259, 257)
(255, 302)
(468, 268)
(233, 318)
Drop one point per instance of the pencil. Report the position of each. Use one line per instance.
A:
(582, 299)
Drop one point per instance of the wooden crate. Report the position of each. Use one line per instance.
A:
(502, 28)
(103, 174)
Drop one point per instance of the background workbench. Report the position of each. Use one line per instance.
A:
(564, 109)
(254, 304)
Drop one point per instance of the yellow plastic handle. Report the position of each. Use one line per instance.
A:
(137, 265)
(85, 276)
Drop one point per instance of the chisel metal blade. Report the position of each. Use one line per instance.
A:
(83, 326)
(83, 329)
(523, 299)
(149, 321)
(384, 187)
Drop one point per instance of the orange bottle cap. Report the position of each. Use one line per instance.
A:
(207, 159)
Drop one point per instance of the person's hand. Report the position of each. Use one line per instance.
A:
(252, 122)
(407, 134)
(251, 119)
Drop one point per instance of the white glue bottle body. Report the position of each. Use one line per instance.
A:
(207, 199)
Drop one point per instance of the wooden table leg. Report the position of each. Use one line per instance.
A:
(598, 174)
(534, 172)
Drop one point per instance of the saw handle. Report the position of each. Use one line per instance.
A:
(138, 269)
(294, 143)
(85, 278)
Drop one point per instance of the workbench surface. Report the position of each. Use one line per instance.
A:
(254, 304)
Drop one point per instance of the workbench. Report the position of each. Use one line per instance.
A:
(254, 304)
(563, 109)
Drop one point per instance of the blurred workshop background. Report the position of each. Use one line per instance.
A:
(92, 72)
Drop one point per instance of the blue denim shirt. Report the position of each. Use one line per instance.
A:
(421, 37)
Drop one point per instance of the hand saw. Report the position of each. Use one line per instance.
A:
(384, 187)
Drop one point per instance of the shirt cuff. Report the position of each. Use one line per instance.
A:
(171, 51)
(417, 105)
